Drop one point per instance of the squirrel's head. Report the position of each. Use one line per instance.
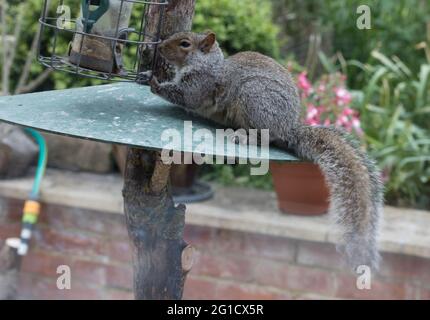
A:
(189, 48)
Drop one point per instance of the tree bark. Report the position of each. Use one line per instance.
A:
(155, 226)
(177, 17)
(162, 259)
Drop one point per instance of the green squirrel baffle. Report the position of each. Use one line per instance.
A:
(120, 113)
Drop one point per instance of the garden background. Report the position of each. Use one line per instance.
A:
(374, 83)
(387, 72)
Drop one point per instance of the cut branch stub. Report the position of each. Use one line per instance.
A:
(155, 226)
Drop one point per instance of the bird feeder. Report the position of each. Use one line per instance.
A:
(102, 39)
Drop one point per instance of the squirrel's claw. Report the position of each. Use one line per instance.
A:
(155, 85)
(144, 77)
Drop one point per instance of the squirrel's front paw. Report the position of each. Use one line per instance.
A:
(155, 85)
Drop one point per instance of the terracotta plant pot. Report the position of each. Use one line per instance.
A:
(300, 188)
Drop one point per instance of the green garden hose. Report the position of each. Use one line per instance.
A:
(32, 206)
(41, 163)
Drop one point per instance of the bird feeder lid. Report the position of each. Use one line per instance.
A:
(122, 113)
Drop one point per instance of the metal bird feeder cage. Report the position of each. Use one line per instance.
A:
(102, 39)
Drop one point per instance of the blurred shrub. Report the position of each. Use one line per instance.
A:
(239, 25)
(237, 175)
(395, 114)
(397, 27)
(23, 17)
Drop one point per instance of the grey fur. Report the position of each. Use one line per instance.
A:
(250, 90)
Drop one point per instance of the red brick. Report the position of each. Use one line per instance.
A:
(404, 267)
(222, 266)
(313, 296)
(12, 210)
(424, 294)
(279, 248)
(255, 245)
(411, 292)
(240, 291)
(319, 255)
(197, 288)
(120, 251)
(94, 273)
(44, 264)
(102, 223)
(382, 290)
(283, 295)
(32, 287)
(270, 273)
(310, 280)
(68, 242)
(227, 241)
(10, 230)
(199, 237)
(119, 277)
(114, 294)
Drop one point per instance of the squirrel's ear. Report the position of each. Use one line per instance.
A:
(207, 43)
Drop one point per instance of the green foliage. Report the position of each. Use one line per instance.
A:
(236, 175)
(239, 25)
(25, 37)
(395, 114)
(397, 27)
(30, 27)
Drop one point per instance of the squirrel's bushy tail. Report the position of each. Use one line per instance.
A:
(356, 198)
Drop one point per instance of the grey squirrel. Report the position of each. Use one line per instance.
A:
(251, 91)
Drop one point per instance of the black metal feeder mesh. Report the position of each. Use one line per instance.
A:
(102, 39)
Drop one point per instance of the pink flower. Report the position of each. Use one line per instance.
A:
(312, 122)
(357, 125)
(343, 97)
(328, 102)
(304, 83)
(312, 115)
(343, 121)
(312, 112)
(348, 111)
(321, 109)
(321, 88)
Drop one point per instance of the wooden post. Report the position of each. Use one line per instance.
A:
(161, 257)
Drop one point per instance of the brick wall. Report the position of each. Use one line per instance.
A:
(229, 264)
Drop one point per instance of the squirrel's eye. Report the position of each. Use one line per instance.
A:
(185, 44)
